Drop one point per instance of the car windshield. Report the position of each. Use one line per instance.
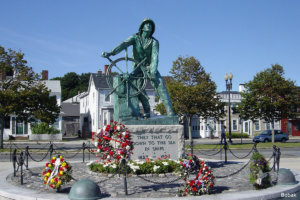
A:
(265, 132)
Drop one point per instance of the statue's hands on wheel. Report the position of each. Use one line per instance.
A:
(106, 54)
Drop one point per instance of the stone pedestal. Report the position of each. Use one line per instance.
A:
(153, 141)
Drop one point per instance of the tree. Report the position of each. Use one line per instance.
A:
(269, 96)
(192, 92)
(22, 93)
(72, 83)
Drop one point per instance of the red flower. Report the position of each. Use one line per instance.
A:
(186, 190)
(211, 184)
(123, 144)
(61, 160)
(92, 150)
(147, 160)
(198, 183)
(47, 164)
(126, 136)
(55, 179)
(66, 166)
(115, 127)
(121, 152)
(192, 183)
(118, 157)
(99, 147)
(52, 161)
(99, 140)
(194, 189)
(106, 149)
(49, 171)
(111, 153)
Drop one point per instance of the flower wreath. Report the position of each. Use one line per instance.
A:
(113, 142)
(57, 172)
(204, 181)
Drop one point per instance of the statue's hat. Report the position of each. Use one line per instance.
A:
(147, 20)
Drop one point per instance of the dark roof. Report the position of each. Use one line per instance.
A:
(100, 82)
(70, 109)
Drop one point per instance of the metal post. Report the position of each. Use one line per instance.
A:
(228, 88)
(221, 151)
(89, 148)
(27, 155)
(278, 158)
(123, 164)
(83, 148)
(21, 162)
(10, 152)
(225, 148)
(51, 150)
(14, 160)
(255, 148)
(274, 157)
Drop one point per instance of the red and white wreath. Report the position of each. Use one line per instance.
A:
(113, 142)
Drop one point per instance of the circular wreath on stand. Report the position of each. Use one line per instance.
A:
(113, 142)
(203, 182)
(57, 172)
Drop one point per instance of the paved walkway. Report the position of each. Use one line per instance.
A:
(225, 188)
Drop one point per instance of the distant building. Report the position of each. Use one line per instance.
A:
(14, 127)
(96, 110)
(203, 128)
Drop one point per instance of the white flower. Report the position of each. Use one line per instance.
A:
(124, 133)
(108, 157)
(140, 162)
(155, 168)
(96, 144)
(104, 127)
(114, 166)
(118, 128)
(127, 147)
(106, 165)
(98, 150)
(91, 162)
(165, 163)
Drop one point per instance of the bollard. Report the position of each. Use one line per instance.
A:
(83, 148)
(14, 159)
(21, 162)
(192, 147)
(123, 165)
(10, 154)
(51, 150)
(225, 148)
(26, 155)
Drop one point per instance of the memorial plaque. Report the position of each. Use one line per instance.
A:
(153, 141)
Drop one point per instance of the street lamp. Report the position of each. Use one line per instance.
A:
(228, 81)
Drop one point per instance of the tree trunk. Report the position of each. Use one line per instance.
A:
(190, 134)
(1, 131)
(273, 132)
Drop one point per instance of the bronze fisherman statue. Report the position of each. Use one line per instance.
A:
(145, 45)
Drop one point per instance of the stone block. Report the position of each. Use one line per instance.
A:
(153, 141)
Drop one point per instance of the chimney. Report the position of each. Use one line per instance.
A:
(99, 72)
(105, 68)
(45, 75)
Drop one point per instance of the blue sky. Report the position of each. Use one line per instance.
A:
(242, 37)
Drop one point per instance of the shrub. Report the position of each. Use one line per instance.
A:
(139, 167)
(43, 128)
(237, 135)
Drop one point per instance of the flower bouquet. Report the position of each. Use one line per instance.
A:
(113, 142)
(259, 171)
(57, 172)
(203, 182)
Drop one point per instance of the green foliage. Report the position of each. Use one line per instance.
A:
(23, 94)
(72, 83)
(161, 109)
(259, 163)
(192, 91)
(43, 128)
(139, 167)
(269, 96)
(237, 135)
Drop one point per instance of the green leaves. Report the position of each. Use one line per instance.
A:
(269, 96)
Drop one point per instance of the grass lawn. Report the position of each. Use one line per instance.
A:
(247, 146)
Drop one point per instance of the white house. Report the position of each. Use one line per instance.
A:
(202, 128)
(96, 110)
(13, 127)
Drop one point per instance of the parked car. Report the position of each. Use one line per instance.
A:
(266, 136)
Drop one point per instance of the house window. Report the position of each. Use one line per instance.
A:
(7, 122)
(256, 125)
(106, 97)
(246, 127)
(268, 126)
(234, 124)
(296, 126)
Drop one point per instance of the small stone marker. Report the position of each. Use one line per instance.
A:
(286, 177)
(85, 189)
